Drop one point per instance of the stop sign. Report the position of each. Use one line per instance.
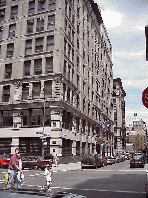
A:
(145, 97)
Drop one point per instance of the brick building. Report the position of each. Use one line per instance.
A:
(56, 77)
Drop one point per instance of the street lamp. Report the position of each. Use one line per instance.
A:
(43, 137)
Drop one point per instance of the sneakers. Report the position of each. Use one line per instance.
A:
(42, 188)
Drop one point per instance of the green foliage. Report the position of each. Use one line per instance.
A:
(137, 142)
(48, 156)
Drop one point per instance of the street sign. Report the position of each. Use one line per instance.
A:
(39, 132)
(145, 97)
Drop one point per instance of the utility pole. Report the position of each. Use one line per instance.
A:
(44, 135)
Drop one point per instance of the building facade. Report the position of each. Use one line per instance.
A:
(56, 79)
(119, 116)
(137, 130)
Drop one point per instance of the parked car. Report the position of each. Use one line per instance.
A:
(118, 159)
(34, 162)
(137, 161)
(114, 159)
(122, 156)
(110, 160)
(103, 160)
(4, 162)
(91, 160)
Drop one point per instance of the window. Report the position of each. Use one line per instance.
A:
(36, 117)
(28, 49)
(7, 118)
(52, 4)
(27, 65)
(68, 94)
(14, 12)
(2, 2)
(1, 33)
(30, 24)
(49, 65)
(8, 70)
(25, 116)
(10, 49)
(48, 89)
(68, 73)
(50, 43)
(41, 5)
(39, 45)
(6, 93)
(53, 142)
(2, 14)
(38, 66)
(51, 22)
(40, 24)
(31, 7)
(36, 90)
(25, 91)
(12, 29)
(64, 69)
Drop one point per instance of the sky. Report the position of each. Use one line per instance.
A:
(125, 21)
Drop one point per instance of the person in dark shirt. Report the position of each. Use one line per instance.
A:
(13, 170)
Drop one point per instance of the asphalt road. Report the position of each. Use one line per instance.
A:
(113, 181)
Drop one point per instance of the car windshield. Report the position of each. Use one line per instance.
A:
(40, 158)
(136, 157)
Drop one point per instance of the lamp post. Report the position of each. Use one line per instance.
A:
(44, 135)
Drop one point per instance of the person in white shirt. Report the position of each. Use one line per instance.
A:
(47, 175)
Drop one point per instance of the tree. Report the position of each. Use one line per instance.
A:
(137, 143)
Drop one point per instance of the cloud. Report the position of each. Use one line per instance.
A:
(142, 28)
(111, 18)
(141, 111)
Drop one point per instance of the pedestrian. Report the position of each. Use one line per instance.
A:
(13, 170)
(56, 160)
(47, 175)
(21, 175)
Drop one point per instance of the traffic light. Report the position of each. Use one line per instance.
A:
(146, 35)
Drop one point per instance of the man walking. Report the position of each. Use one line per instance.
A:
(13, 170)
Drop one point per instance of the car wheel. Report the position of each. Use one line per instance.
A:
(35, 167)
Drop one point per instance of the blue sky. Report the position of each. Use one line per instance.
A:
(125, 21)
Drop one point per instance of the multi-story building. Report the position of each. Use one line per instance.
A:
(137, 129)
(119, 116)
(56, 78)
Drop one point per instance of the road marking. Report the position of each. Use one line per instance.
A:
(133, 170)
(99, 190)
(2, 181)
(31, 175)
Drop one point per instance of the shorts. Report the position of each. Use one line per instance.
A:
(48, 182)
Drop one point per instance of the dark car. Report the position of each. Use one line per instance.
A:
(137, 161)
(34, 163)
(91, 160)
